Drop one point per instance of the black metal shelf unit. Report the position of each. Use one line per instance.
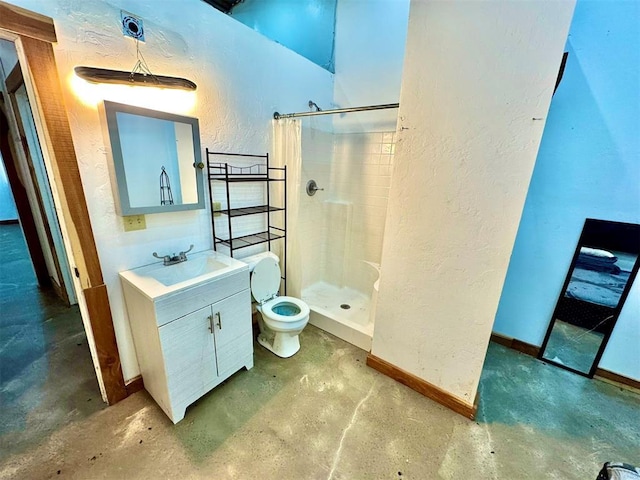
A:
(261, 171)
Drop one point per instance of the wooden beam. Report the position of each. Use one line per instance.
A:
(59, 146)
(14, 80)
(51, 119)
(423, 387)
(105, 340)
(26, 23)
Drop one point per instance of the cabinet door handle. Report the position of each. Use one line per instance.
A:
(210, 318)
(219, 317)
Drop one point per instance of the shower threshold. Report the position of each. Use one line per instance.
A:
(327, 303)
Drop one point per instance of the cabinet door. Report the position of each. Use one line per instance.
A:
(189, 355)
(233, 334)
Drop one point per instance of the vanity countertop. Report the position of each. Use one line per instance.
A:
(157, 280)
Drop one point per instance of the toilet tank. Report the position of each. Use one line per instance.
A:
(253, 260)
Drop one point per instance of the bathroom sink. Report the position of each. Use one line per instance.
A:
(157, 280)
(191, 269)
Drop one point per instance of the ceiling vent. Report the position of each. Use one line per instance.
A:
(132, 26)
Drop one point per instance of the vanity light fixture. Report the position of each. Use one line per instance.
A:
(140, 75)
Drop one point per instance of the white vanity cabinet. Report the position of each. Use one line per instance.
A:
(192, 337)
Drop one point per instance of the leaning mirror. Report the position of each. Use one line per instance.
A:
(157, 166)
(602, 271)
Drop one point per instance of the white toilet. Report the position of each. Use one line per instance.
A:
(281, 318)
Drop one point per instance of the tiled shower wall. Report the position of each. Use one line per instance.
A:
(342, 227)
(361, 175)
(317, 153)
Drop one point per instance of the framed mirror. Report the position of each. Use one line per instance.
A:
(604, 266)
(157, 165)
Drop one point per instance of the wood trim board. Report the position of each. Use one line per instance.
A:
(134, 385)
(614, 377)
(34, 35)
(14, 80)
(17, 82)
(533, 350)
(57, 143)
(27, 23)
(105, 340)
(423, 387)
(41, 65)
(516, 344)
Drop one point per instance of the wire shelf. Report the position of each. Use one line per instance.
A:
(249, 240)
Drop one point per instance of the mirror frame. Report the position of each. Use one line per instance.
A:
(108, 111)
(616, 310)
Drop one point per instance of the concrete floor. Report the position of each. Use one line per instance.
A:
(322, 414)
(46, 374)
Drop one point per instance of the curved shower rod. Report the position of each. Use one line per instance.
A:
(278, 116)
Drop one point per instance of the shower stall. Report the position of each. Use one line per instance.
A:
(336, 232)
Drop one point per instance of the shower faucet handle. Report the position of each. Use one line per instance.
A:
(312, 188)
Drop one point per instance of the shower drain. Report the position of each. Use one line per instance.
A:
(345, 306)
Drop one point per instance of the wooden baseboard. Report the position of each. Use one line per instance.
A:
(614, 377)
(134, 385)
(533, 350)
(516, 344)
(9, 222)
(423, 387)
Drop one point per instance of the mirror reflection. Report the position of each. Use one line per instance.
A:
(601, 274)
(155, 156)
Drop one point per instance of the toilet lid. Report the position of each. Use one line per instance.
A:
(265, 280)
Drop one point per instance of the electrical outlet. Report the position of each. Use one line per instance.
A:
(134, 222)
(217, 206)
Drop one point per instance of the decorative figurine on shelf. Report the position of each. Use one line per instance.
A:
(166, 197)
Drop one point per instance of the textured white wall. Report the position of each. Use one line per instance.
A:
(475, 75)
(242, 79)
(369, 50)
(587, 167)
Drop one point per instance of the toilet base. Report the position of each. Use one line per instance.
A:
(282, 344)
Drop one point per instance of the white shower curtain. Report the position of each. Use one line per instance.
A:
(287, 150)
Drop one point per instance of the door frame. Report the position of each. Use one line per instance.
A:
(21, 199)
(33, 35)
(14, 82)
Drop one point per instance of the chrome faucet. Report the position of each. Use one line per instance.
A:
(173, 259)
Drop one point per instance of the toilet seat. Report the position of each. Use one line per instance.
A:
(265, 280)
(268, 310)
(278, 331)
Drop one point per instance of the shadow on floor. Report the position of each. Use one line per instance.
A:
(46, 374)
(539, 400)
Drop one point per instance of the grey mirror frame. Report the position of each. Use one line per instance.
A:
(108, 111)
